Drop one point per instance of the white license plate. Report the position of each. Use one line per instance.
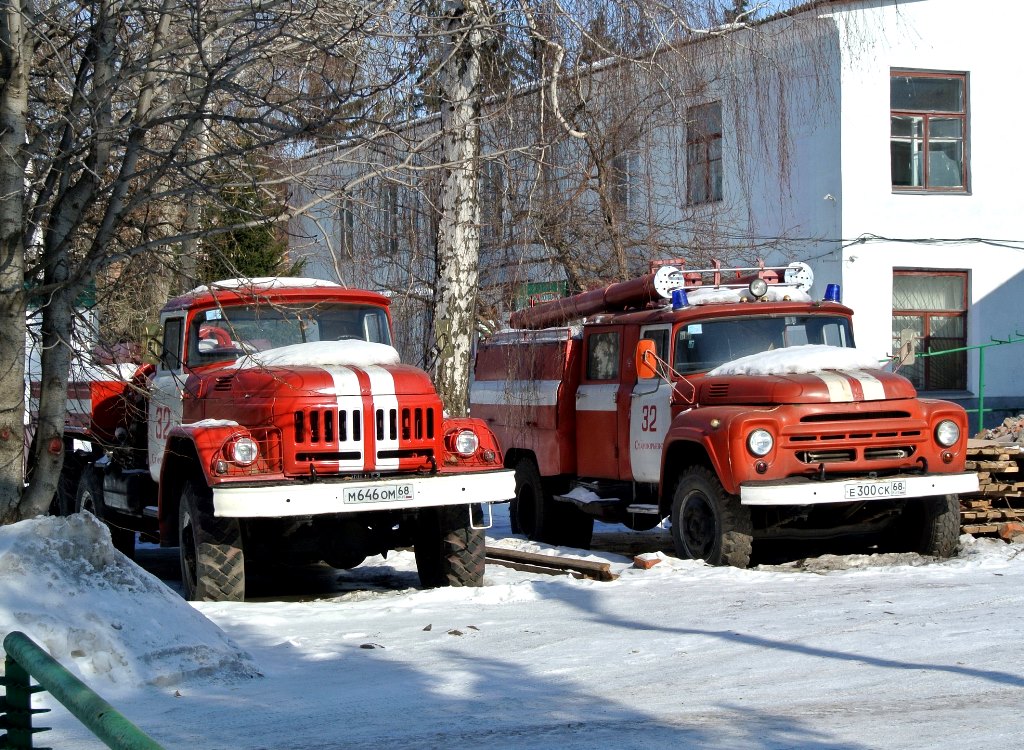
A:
(875, 490)
(384, 493)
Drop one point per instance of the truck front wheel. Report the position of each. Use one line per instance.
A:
(708, 523)
(212, 561)
(449, 551)
(928, 526)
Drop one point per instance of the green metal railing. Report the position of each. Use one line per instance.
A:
(981, 411)
(25, 659)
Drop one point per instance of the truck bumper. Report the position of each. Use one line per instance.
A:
(813, 492)
(393, 493)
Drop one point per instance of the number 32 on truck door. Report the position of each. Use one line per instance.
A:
(162, 418)
(649, 414)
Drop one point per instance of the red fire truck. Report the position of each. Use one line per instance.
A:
(278, 426)
(725, 400)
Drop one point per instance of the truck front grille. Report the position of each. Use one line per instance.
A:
(406, 434)
(418, 424)
(854, 416)
(327, 426)
(826, 456)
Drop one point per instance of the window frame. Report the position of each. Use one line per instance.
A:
(171, 344)
(661, 335)
(613, 357)
(346, 227)
(926, 325)
(702, 142)
(927, 116)
(491, 197)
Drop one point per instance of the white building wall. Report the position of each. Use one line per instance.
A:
(940, 35)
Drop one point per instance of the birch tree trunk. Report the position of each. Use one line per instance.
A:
(15, 53)
(459, 229)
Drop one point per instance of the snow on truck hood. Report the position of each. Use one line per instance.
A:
(803, 375)
(322, 368)
(795, 360)
(347, 353)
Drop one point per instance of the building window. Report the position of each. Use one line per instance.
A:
(391, 212)
(346, 227)
(931, 306)
(929, 126)
(704, 153)
(624, 167)
(492, 200)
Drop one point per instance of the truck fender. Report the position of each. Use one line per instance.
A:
(189, 453)
(689, 445)
(487, 454)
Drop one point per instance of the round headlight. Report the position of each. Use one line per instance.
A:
(947, 433)
(758, 288)
(244, 451)
(466, 443)
(760, 442)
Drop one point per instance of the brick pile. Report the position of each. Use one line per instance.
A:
(1010, 431)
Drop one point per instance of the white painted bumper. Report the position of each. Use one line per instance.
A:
(810, 492)
(277, 501)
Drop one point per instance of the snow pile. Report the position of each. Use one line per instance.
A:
(799, 359)
(1010, 431)
(64, 585)
(582, 495)
(722, 295)
(263, 283)
(347, 353)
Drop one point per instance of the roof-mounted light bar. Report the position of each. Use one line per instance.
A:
(668, 279)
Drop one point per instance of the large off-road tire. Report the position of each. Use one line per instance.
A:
(89, 497)
(212, 560)
(449, 551)
(708, 523)
(928, 526)
(535, 514)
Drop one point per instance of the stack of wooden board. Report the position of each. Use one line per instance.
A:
(1000, 499)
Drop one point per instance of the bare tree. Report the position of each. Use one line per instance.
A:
(114, 116)
(583, 115)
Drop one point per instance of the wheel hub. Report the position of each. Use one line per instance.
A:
(698, 526)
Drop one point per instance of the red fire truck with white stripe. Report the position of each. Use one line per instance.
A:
(278, 426)
(727, 401)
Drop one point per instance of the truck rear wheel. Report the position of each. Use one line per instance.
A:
(708, 523)
(928, 526)
(534, 513)
(449, 551)
(212, 561)
(89, 497)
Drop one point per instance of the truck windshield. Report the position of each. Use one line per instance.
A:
(228, 332)
(705, 345)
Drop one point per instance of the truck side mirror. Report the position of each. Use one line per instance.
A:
(907, 353)
(646, 359)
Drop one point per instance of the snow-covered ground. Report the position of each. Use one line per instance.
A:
(836, 652)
